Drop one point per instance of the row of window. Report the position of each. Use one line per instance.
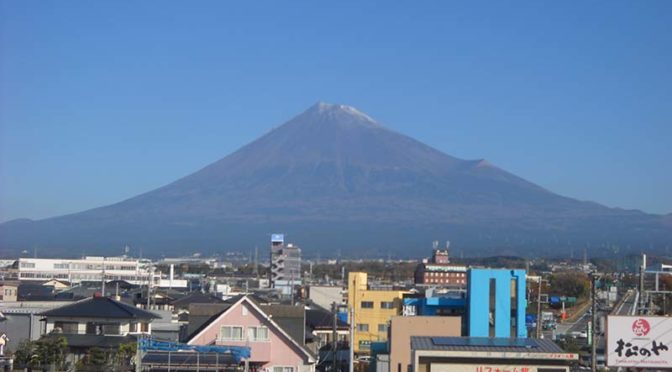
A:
(235, 333)
(42, 276)
(433, 273)
(363, 327)
(67, 265)
(383, 305)
(455, 281)
(79, 277)
(94, 328)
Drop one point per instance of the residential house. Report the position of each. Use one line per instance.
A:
(244, 323)
(97, 321)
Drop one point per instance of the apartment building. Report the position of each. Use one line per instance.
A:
(373, 310)
(88, 268)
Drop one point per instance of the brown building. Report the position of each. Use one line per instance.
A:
(438, 271)
(402, 328)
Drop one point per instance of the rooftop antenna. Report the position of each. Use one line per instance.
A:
(256, 262)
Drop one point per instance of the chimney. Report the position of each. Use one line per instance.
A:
(172, 273)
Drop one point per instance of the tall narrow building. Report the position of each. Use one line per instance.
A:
(285, 264)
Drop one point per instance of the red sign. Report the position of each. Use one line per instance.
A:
(640, 327)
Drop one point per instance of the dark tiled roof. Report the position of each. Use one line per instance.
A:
(322, 319)
(196, 298)
(100, 307)
(290, 318)
(485, 344)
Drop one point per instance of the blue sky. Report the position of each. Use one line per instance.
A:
(102, 100)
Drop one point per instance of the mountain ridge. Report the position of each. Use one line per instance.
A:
(334, 167)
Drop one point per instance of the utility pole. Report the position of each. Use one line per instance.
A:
(334, 337)
(103, 285)
(539, 308)
(352, 338)
(593, 346)
(642, 300)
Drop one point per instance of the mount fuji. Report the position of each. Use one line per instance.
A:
(336, 181)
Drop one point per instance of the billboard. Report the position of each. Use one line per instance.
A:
(639, 341)
(277, 238)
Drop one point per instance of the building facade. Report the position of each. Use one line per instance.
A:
(402, 328)
(8, 291)
(244, 323)
(285, 263)
(439, 271)
(86, 269)
(496, 303)
(372, 310)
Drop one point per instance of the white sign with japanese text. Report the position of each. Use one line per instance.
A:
(457, 367)
(639, 341)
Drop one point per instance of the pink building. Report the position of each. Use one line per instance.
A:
(245, 324)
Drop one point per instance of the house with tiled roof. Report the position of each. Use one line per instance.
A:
(97, 321)
(245, 323)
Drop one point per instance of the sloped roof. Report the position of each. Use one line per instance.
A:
(196, 298)
(319, 318)
(99, 307)
(240, 299)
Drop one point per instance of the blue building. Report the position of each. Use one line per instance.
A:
(496, 303)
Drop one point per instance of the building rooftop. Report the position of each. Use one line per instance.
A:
(99, 307)
(485, 344)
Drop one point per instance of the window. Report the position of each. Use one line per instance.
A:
(112, 329)
(283, 369)
(61, 265)
(67, 327)
(257, 333)
(382, 328)
(387, 305)
(367, 304)
(231, 333)
(362, 327)
(28, 265)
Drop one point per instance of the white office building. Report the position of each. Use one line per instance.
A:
(88, 268)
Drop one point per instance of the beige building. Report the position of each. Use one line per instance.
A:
(8, 291)
(402, 328)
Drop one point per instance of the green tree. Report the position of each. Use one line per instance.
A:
(94, 360)
(124, 356)
(24, 353)
(49, 350)
(572, 284)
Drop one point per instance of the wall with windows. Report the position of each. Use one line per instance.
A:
(86, 269)
(97, 326)
(242, 325)
(373, 310)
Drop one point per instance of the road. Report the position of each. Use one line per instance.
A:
(628, 306)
